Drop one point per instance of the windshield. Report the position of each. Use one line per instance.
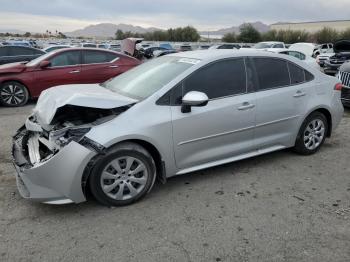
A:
(144, 80)
(262, 45)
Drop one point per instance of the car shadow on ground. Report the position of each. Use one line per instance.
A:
(176, 183)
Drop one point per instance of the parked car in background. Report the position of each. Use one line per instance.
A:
(344, 77)
(226, 46)
(164, 52)
(103, 46)
(19, 43)
(322, 58)
(323, 48)
(20, 81)
(297, 54)
(115, 47)
(305, 48)
(204, 47)
(183, 47)
(148, 52)
(342, 54)
(268, 44)
(88, 45)
(12, 54)
(170, 116)
(55, 47)
(166, 46)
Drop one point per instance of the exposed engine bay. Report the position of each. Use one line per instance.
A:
(70, 123)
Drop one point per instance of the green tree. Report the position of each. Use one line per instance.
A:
(248, 34)
(229, 38)
(27, 34)
(119, 35)
(345, 34)
(326, 35)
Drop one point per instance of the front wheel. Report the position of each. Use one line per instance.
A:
(13, 94)
(312, 134)
(124, 175)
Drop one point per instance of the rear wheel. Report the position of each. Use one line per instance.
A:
(13, 94)
(123, 176)
(312, 134)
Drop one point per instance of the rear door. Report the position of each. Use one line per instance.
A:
(99, 66)
(222, 129)
(281, 96)
(65, 69)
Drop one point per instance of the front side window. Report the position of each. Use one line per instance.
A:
(68, 58)
(147, 78)
(271, 72)
(96, 57)
(220, 79)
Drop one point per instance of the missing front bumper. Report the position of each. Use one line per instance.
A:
(56, 179)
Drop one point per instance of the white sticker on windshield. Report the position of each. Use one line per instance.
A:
(189, 61)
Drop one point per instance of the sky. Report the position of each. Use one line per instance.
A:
(69, 15)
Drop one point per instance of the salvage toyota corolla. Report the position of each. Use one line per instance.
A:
(173, 115)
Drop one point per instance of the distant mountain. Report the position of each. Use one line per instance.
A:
(261, 27)
(108, 30)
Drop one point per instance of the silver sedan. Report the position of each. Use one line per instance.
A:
(170, 116)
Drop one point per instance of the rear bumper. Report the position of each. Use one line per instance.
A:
(55, 180)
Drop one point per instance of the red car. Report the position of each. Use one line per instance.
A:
(21, 81)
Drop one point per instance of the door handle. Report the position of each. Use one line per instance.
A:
(246, 106)
(113, 66)
(299, 94)
(74, 71)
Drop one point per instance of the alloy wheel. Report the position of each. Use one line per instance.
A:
(124, 178)
(12, 94)
(314, 134)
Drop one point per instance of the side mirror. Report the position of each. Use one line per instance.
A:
(44, 64)
(193, 98)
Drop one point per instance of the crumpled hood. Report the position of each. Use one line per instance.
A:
(88, 95)
(12, 68)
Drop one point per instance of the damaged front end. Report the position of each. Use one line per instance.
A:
(50, 159)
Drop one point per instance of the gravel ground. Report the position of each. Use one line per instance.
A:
(276, 207)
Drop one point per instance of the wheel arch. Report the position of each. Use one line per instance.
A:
(154, 152)
(326, 112)
(18, 81)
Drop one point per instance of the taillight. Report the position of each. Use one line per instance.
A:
(338, 86)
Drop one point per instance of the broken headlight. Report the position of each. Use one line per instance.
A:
(74, 134)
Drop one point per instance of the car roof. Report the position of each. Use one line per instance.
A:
(222, 53)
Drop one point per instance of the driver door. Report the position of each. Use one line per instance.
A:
(222, 129)
(65, 68)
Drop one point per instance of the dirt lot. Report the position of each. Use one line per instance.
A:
(277, 207)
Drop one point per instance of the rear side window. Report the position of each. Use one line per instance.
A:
(220, 79)
(95, 57)
(66, 59)
(271, 72)
(297, 74)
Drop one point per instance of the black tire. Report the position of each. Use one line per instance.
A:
(117, 153)
(300, 146)
(13, 94)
